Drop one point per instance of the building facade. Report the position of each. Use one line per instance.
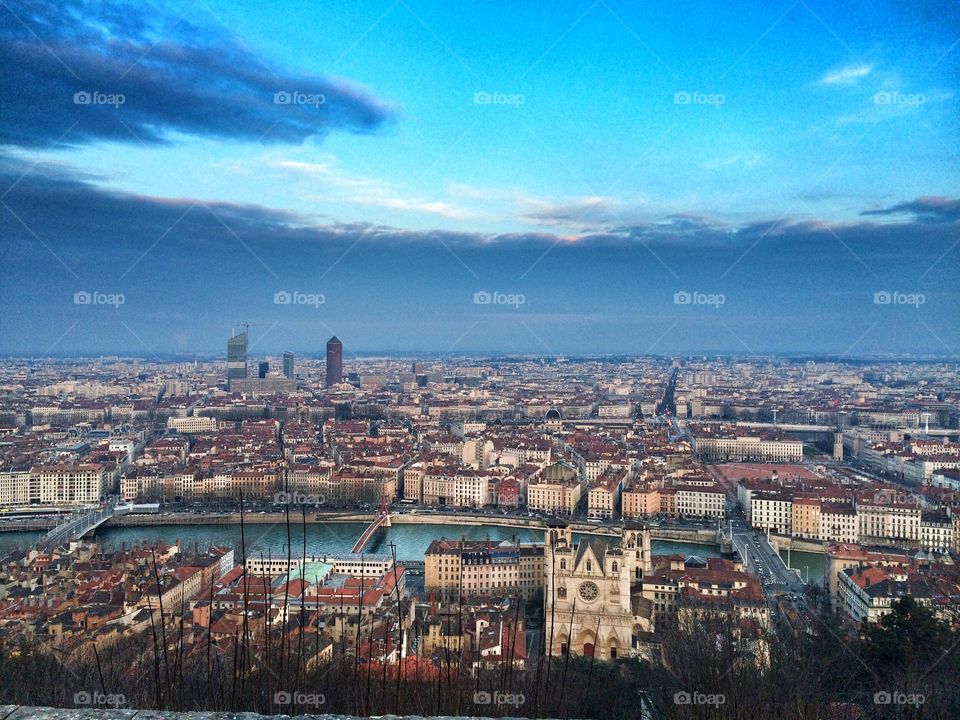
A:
(334, 362)
(590, 586)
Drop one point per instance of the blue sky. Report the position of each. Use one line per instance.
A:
(598, 159)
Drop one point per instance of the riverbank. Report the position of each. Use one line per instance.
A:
(785, 542)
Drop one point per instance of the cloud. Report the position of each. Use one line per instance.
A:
(65, 208)
(429, 207)
(579, 211)
(932, 209)
(327, 181)
(217, 263)
(849, 75)
(142, 75)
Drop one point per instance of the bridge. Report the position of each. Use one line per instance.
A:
(78, 525)
(382, 519)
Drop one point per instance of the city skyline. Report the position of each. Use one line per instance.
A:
(596, 179)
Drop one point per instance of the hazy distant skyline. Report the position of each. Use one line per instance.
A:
(659, 179)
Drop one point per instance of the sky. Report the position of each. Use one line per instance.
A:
(563, 178)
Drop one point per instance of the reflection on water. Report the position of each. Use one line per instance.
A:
(812, 565)
(670, 547)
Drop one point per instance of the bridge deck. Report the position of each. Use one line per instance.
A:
(78, 525)
(369, 532)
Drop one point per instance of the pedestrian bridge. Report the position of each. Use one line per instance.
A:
(79, 524)
(382, 519)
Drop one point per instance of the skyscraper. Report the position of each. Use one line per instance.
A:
(237, 357)
(334, 361)
(263, 369)
(288, 365)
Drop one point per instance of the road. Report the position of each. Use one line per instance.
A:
(762, 560)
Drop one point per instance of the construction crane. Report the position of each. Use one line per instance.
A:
(246, 327)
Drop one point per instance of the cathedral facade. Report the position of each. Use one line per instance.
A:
(593, 591)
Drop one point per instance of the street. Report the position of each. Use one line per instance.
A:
(763, 561)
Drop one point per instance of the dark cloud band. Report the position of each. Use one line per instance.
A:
(78, 73)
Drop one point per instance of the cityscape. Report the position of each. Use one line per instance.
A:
(409, 517)
(458, 361)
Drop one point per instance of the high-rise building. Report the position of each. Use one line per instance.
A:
(334, 361)
(288, 365)
(263, 369)
(237, 357)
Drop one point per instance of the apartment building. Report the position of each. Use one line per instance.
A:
(192, 424)
(61, 484)
(699, 501)
(772, 511)
(459, 488)
(937, 531)
(880, 521)
(806, 517)
(640, 501)
(17, 487)
(868, 593)
(556, 489)
(838, 523)
(484, 567)
(603, 499)
(735, 444)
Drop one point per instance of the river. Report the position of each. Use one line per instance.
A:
(410, 541)
(809, 564)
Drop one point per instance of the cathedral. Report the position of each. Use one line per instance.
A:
(592, 591)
